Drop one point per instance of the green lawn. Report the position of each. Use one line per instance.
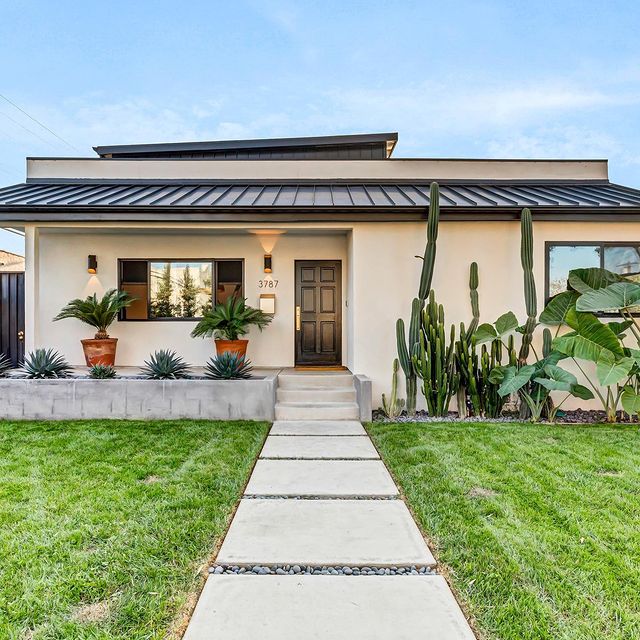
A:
(538, 526)
(106, 527)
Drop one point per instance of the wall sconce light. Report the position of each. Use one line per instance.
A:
(92, 264)
(267, 263)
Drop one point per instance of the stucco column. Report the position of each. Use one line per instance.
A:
(31, 286)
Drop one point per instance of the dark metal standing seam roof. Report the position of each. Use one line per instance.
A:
(269, 195)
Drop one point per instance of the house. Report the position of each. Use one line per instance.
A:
(323, 231)
(11, 262)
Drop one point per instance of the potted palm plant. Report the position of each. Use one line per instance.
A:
(228, 321)
(101, 349)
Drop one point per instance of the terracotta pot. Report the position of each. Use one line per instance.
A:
(233, 346)
(100, 351)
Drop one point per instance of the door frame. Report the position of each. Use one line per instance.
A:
(297, 334)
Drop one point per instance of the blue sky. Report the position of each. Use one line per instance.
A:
(482, 79)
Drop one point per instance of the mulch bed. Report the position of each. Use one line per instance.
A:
(575, 416)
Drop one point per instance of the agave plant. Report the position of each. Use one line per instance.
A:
(165, 365)
(228, 366)
(102, 372)
(230, 320)
(5, 364)
(45, 363)
(97, 313)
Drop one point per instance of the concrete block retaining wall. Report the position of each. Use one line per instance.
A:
(73, 398)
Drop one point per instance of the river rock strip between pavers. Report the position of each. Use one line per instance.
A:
(324, 565)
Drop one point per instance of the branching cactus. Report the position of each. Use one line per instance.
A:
(392, 407)
(434, 360)
(530, 299)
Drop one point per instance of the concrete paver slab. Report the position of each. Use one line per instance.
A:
(319, 447)
(317, 428)
(330, 478)
(324, 532)
(321, 607)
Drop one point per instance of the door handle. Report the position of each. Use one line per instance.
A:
(297, 318)
(21, 336)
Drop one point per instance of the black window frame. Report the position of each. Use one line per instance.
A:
(214, 284)
(580, 243)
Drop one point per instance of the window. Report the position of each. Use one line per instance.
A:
(562, 257)
(178, 289)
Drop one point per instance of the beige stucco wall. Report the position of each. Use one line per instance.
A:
(63, 276)
(393, 169)
(386, 276)
(380, 278)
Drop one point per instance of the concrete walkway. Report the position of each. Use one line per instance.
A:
(322, 510)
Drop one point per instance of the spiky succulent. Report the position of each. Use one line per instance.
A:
(102, 372)
(165, 365)
(228, 366)
(45, 363)
(5, 364)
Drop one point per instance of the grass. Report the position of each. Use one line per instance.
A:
(538, 526)
(106, 527)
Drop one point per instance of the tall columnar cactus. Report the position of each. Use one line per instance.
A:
(531, 304)
(473, 295)
(434, 361)
(405, 351)
(392, 407)
(428, 263)
(465, 354)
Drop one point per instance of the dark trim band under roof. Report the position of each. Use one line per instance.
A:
(261, 143)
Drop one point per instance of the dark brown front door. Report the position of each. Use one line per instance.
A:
(318, 312)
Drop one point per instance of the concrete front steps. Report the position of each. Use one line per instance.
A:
(316, 396)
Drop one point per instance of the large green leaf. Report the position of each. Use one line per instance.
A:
(582, 392)
(619, 295)
(556, 379)
(619, 327)
(485, 333)
(630, 401)
(610, 370)
(589, 340)
(555, 312)
(506, 323)
(583, 280)
(515, 379)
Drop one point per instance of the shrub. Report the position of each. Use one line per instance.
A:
(5, 364)
(165, 365)
(45, 363)
(230, 320)
(102, 372)
(228, 366)
(97, 313)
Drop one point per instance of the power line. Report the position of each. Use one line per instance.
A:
(44, 126)
(27, 129)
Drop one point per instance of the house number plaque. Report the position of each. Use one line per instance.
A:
(267, 284)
